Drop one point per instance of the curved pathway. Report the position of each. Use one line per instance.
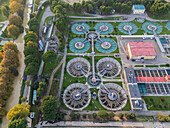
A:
(52, 76)
(46, 14)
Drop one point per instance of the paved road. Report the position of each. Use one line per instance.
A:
(46, 14)
(4, 27)
(52, 76)
(114, 80)
(130, 18)
(106, 124)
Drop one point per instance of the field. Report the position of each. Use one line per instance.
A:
(157, 102)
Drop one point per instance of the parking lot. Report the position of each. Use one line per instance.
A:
(122, 43)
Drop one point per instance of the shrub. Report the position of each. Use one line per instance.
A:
(84, 116)
(94, 115)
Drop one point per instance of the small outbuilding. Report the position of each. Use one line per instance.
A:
(138, 9)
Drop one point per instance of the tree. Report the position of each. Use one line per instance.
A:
(30, 36)
(111, 115)
(49, 107)
(30, 51)
(121, 115)
(32, 44)
(19, 1)
(33, 21)
(32, 69)
(94, 115)
(4, 11)
(31, 58)
(21, 110)
(90, 7)
(61, 24)
(72, 115)
(16, 7)
(10, 59)
(10, 45)
(2, 111)
(18, 123)
(15, 20)
(14, 71)
(77, 7)
(49, 56)
(103, 114)
(42, 88)
(13, 31)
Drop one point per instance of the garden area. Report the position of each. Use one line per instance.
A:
(157, 102)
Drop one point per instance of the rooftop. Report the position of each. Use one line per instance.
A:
(142, 49)
(151, 79)
(130, 75)
(134, 91)
(139, 7)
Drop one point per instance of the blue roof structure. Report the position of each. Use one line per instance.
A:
(139, 7)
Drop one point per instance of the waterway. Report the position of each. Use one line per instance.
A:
(14, 98)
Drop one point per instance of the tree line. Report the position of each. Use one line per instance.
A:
(157, 7)
(8, 71)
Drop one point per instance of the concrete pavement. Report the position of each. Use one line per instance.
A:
(106, 124)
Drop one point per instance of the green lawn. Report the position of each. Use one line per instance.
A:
(1, 47)
(151, 65)
(127, 107)
(157, 102)
(3, 18)
(22, 90)
(48, 68)
(164, 17)
(41, 14)
(145, 118)
(72, 14)
(108, 18)
(48, 19)
(138, 65)
(55, 84)
(35, 120)
(5, 34)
